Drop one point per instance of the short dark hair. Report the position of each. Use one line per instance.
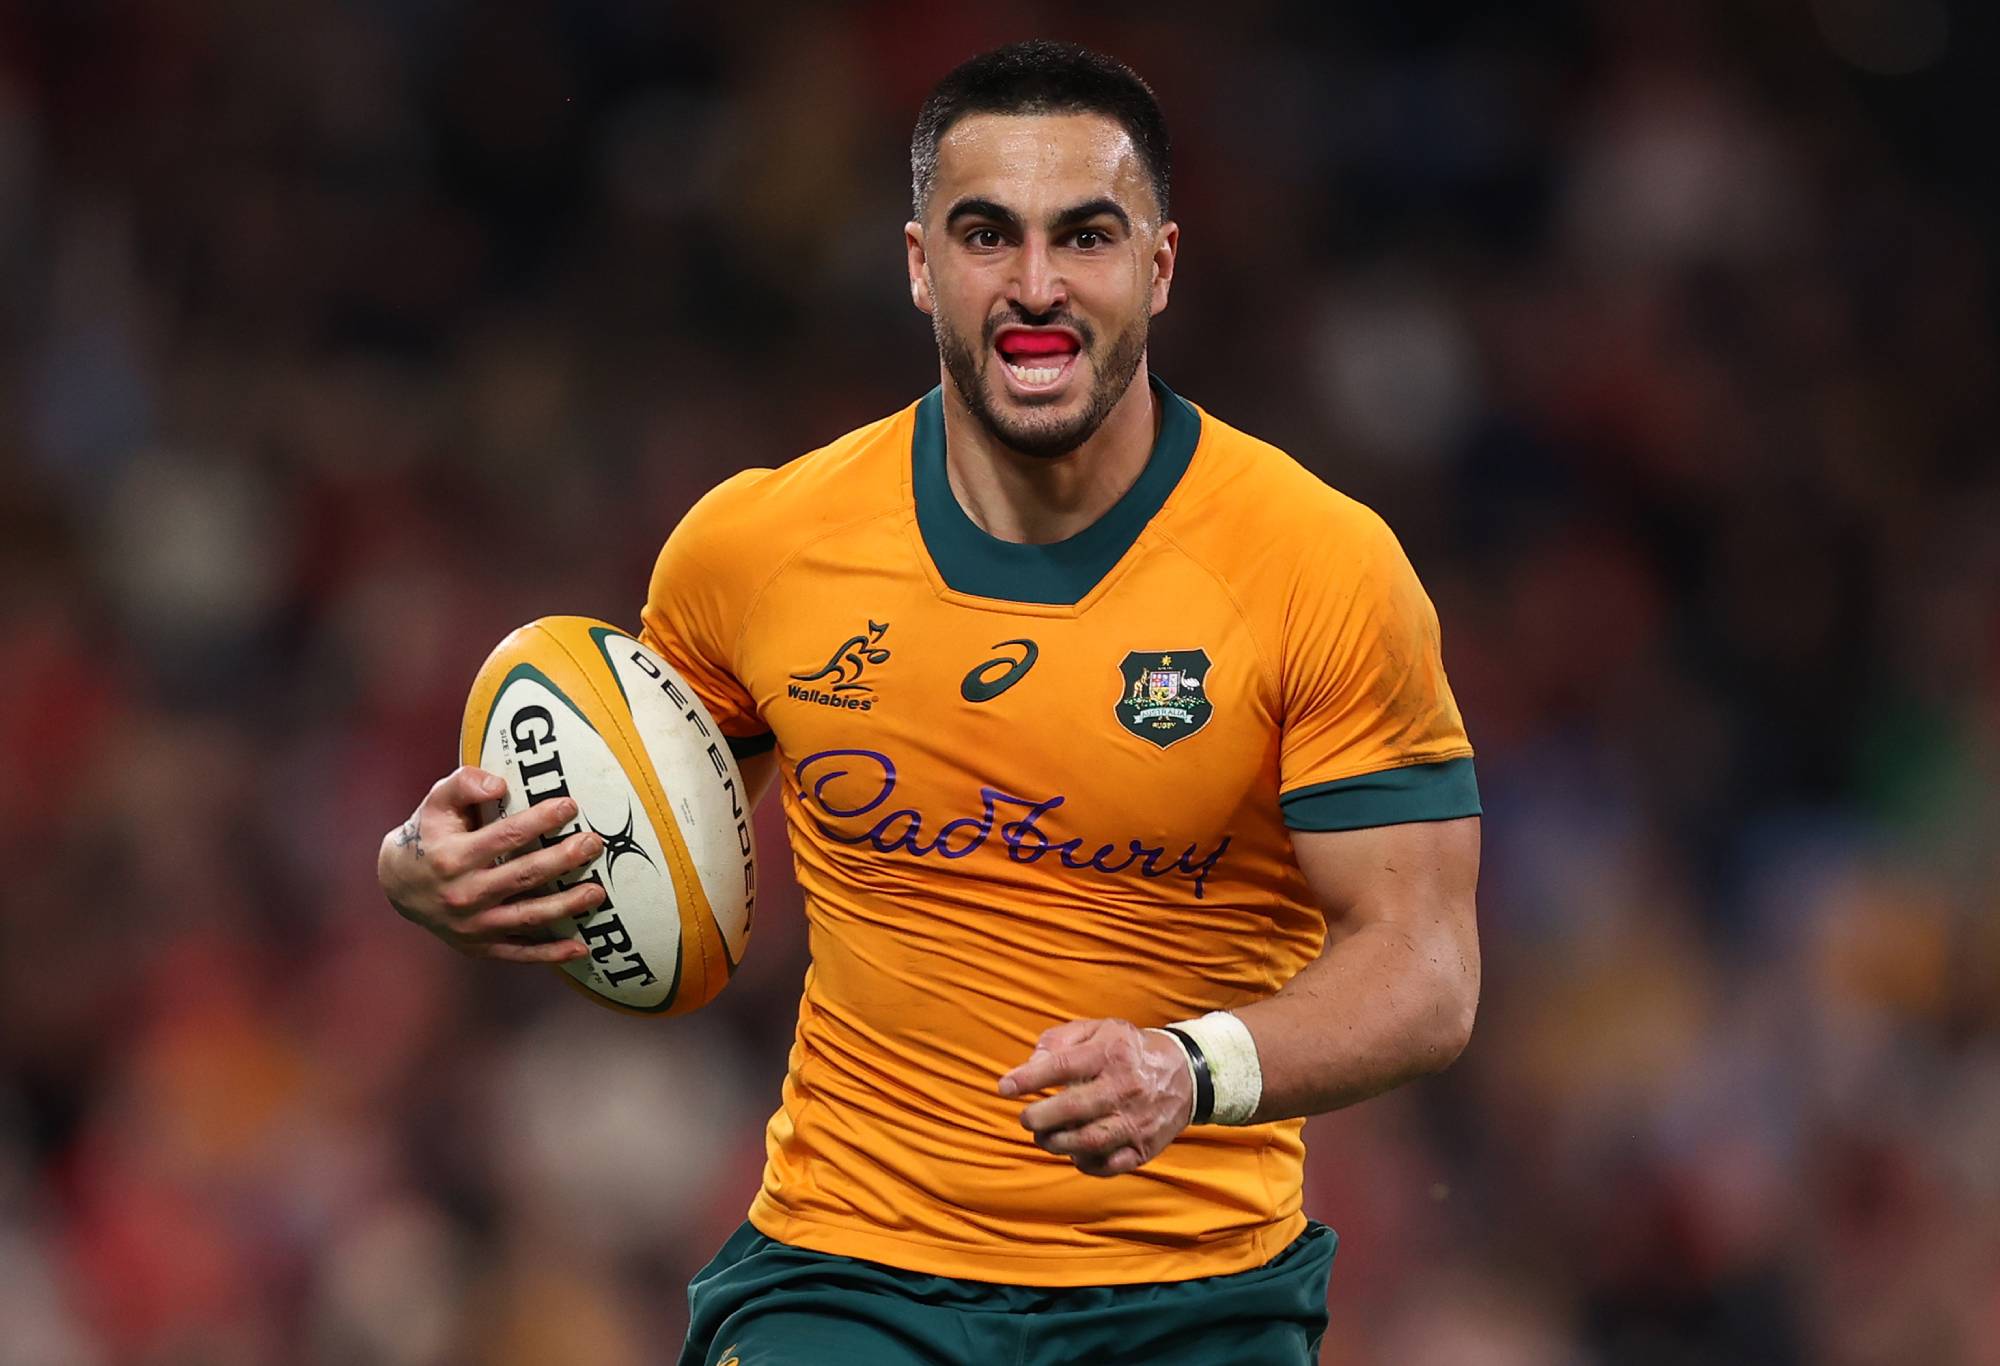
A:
(1041, 77)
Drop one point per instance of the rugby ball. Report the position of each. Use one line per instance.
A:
(570, 707)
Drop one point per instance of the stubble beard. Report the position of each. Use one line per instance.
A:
(1051, 436)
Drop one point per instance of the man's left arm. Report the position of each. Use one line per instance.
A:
(1390, 998)
(1375, 782)
(1393, 994)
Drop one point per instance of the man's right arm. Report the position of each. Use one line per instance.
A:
(439, 867)
(442, 870)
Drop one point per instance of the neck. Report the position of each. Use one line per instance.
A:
(1035, 500)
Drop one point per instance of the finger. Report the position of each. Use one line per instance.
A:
(490, 844)
(1067, 1109)
(519, 876)
(555, 951)
(534, 913)
(1069, 1035)
(459, 791)
(1100, 1138)
(1054, 1067)
(1124, 1160)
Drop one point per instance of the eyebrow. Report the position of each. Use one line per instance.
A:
(983, 208)
(1065, 218)
(1089, 209)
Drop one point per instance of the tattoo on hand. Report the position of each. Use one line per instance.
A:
(410, 837)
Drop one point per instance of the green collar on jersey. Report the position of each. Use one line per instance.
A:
(1062, 572)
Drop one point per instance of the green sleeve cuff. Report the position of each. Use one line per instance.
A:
(750, 746)
(1442, 791)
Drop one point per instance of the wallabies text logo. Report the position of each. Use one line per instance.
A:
(841, 677)
(1165, 697)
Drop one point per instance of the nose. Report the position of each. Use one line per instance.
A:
(1038, 286)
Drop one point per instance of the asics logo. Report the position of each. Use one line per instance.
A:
(989, 679)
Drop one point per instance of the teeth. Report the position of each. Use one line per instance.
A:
(1043, 375)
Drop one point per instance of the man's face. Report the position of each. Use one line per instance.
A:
(1041, 258)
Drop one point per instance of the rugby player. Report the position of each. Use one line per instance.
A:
(1134, 816)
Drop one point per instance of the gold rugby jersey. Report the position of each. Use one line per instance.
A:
(1032, 784)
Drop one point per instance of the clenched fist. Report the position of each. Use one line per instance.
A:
(1125, 1094)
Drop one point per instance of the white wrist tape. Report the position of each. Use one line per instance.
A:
(1233, 1067)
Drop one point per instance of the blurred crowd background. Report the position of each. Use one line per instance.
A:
(340, 336)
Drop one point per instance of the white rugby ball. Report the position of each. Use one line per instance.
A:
(568, 706)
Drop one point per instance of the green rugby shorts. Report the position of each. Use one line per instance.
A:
(764, 1303)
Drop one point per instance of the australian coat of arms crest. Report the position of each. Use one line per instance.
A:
(1165, 697)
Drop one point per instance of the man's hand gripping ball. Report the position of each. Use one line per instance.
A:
(442, 870)
(1125, 1094)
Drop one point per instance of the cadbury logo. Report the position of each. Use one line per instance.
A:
(871, 776)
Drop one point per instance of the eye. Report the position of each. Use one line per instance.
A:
(1090, 239)
(984, 239)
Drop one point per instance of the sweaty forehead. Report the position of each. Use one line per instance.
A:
(1032, 163)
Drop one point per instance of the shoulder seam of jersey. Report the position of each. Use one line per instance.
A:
(1346, 502)
(757, 597)
(763, 585)
(861, 519)
(1228, 591)
(1302, 514)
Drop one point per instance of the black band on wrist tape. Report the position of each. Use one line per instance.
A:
(1204, 1084)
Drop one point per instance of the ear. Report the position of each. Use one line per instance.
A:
(1166, 249)
(919, 265)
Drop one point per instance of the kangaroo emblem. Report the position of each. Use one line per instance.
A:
(846, 663)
